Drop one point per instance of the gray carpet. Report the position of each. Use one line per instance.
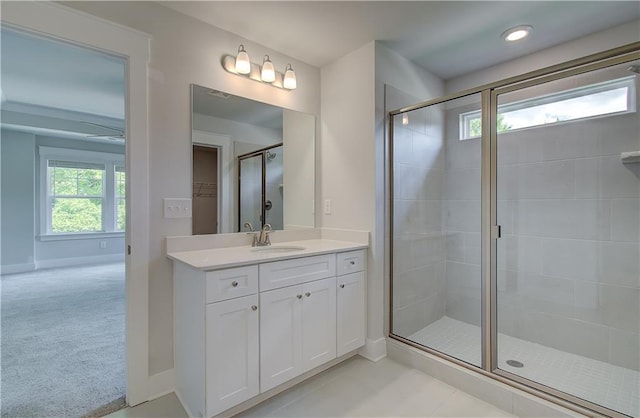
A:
(63, 341)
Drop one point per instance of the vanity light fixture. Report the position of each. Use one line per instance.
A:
(265, 73)
(405, 119)
(268, 73)
(290, 82)
(516, 33)
(243, 64)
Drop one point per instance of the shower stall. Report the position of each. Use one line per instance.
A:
(514, 229)
(260, 188)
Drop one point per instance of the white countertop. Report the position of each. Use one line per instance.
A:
(215, 258)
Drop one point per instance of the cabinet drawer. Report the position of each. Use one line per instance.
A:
(350, 262)
(231, 283)
(299, 270)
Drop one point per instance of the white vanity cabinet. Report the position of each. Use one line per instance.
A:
(350, 301)
(241, 331)
(217, 337)
(297, 330)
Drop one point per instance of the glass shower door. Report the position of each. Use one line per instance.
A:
(568, 261)
(436, 222)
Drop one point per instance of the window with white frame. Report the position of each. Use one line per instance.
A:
(607, 98)
(82, 192)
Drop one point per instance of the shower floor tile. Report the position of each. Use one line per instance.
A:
(612, 386)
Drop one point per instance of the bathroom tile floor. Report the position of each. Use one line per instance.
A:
(354, 388)
(603, 383)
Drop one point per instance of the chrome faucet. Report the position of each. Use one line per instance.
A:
(264, 239)
(254, 233)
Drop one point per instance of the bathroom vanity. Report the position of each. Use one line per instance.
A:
(249, 319)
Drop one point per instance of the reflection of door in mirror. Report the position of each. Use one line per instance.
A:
(260, 188)
(205, 190)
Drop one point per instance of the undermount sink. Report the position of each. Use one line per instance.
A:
(277, 249)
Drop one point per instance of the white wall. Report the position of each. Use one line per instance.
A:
(185, 51)
(347, 159)
(17, 197)
(298, 133)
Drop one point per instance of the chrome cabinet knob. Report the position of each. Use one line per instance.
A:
(307, 294)
(254, 308)
(234, 284)
(341, 286)
(299, 296)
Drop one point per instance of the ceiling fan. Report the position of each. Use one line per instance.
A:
(118, 133)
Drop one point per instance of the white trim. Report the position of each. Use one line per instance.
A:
(69, 25)
(17, 268)
(78, 261)
(374, 350)
(88, 235)
(161, 384)
(226, 192)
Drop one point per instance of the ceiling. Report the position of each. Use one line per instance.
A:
(448, 38)
(42, 72)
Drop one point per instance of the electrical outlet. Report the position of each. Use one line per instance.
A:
(327, 206)
(177, 208)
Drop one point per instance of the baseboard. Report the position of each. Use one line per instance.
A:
(160, 384)
(17, 268)
(374, 350)
(78, 261)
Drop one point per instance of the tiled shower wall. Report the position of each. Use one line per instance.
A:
(569, 266)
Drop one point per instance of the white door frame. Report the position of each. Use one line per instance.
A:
(68, 25)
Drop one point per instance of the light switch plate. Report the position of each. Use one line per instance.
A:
(177, 208)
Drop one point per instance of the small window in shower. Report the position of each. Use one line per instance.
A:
(607, 98)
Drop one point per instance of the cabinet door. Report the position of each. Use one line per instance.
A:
(231, 353)
(318, 323)
(351, 326)
(280, 333)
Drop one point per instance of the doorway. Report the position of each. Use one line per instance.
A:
(64, 202)
(205, 190)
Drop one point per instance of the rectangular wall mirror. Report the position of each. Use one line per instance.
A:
(253, 163)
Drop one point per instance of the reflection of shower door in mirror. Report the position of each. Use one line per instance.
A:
(250, 196)
(205, 190)
(260, 188)
(274, 187)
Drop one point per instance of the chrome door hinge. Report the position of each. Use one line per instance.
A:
(496, 232)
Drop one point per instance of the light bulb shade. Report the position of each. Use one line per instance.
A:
(243, 64)
(268, 74)
(289, 81)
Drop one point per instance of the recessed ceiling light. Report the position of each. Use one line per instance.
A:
(516, 33)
